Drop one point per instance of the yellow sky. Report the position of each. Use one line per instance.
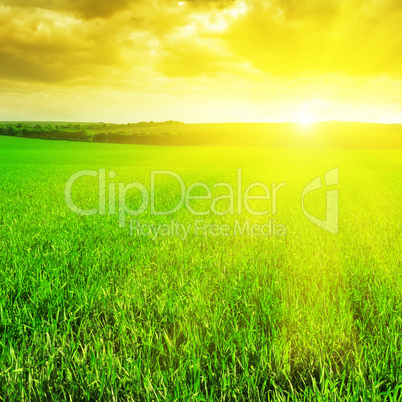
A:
(201, 60)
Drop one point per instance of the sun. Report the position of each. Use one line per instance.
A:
(305, 117)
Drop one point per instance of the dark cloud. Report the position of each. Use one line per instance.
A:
(46, 47)
(87, 9)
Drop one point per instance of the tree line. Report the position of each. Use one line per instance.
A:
(86, 132)
(277, 135)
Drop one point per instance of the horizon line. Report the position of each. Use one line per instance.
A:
(220, 122)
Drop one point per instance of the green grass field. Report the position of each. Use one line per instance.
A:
(89, 311)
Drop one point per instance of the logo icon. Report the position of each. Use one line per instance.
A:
(331, 221)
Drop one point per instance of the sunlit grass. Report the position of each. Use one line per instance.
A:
(89, 313)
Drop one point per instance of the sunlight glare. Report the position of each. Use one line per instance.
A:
(305, 118)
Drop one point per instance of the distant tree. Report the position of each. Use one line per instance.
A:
(89, 134)
(13, 130)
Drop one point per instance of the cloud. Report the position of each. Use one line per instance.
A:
(49, 46)
(288, 37)
(64, 40)
(86, 9)
(256, 50)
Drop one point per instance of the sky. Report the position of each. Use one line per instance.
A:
(201, 60)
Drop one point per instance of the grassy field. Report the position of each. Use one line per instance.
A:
(90, 311)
